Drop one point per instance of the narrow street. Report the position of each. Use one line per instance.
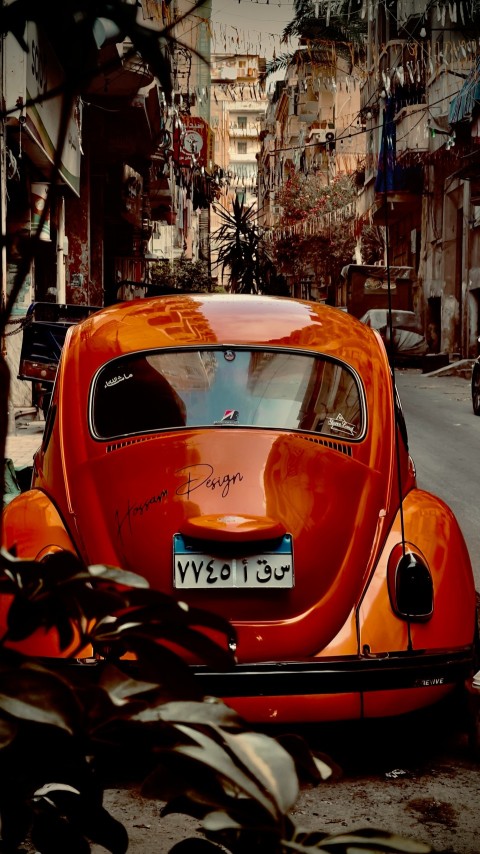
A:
(444, 439)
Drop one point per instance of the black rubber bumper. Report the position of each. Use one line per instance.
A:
(345, 676)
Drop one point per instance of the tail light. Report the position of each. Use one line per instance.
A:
(410, 584)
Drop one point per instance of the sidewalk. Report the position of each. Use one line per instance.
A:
(24, 442)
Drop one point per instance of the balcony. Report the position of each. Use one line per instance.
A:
(134, 129)
(121, 73)
(251, 131)
(397, 206)
(399, 181)
(247, 157)
(403, 79)
(402, 199)
(159, 188)
(412, 130)
(410, 10)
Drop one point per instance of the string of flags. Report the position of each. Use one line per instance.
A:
(317, 225)
(227, 38)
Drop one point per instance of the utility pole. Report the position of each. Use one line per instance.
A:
(3, 178)
(6, 415)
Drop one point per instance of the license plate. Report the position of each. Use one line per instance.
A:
(194, 569)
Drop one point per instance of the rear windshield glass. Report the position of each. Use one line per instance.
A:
(152, 391)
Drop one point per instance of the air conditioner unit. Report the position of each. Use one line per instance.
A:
(317, 135)
(321, 135)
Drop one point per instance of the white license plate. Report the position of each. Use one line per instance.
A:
(194, 569)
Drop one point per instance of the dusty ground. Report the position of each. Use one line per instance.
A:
(420, 782)
(439, 806)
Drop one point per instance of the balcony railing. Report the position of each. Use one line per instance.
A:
(402, 74)
(412, 130)
(252, 130)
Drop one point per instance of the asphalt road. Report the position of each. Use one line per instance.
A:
(444, 441)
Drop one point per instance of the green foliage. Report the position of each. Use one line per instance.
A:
(242, 251)
(54, 721)
(305, 195)
(237, 241)
(319, 256)
(372, 244)
(327, 21)
(183, 275)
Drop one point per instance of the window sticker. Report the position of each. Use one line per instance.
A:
(118, 379)
(230, 415)
(338, 424)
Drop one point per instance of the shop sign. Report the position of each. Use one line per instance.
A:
(43, 117)
(190, 144)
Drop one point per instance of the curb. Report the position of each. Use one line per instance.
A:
(458, 369)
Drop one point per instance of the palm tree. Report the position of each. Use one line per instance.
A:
(238, 240)
(331, 20)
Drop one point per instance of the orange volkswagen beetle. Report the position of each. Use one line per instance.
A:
(248, 455)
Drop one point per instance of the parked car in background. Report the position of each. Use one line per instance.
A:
(44, 332)
(248, 455)
(476, 386)
(405, 341)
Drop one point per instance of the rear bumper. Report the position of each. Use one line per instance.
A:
(322, 690)
(333, 676)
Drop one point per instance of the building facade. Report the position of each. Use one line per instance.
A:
(422, 146)
(239, 104)
(186, 232)
(311, 130)
(115, 177)
(238, 112)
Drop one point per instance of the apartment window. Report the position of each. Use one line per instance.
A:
(242, 147)
(242, 122)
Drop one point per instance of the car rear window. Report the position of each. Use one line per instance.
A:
(163, 390)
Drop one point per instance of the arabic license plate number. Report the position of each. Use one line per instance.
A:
(196, 570)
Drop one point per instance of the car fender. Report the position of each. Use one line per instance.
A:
(32, 530)
(430, 527)
(32, 527)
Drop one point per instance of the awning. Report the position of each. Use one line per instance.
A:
(465, 101)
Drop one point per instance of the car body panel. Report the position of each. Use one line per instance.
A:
(234, 491)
